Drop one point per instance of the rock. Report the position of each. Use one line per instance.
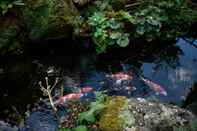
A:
(42, 121)
(145, 115)
(191, 100)
(155, 116)
(7, 127)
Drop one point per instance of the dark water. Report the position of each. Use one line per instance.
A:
(173, 67)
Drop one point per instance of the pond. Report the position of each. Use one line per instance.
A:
(173, 67)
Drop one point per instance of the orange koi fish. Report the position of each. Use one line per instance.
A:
(121, 76)
(71, 96)
(86, 89)
(154, 86)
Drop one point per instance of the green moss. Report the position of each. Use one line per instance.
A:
(44, 17)
(110, 119)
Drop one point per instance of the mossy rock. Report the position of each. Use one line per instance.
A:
(122, 114)
(110, 120)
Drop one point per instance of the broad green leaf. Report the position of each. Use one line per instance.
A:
(140, 30)
(113, 24)
(87, 116)
(115, 35)
(64, 129)
(18, 2)
(81, 128)
(123, 41)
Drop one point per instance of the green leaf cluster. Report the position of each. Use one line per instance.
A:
(78, 128)
(107, 31)
(96, 108)
(162, 19)
(146, 19)
(5, 5)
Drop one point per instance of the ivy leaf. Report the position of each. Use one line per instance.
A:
(18, 2)
(65, 129)
(113, 24)
(140, 30)
(81, 128)
(115, 35)
(87, 116)
(111, 42)
(123, 41)
(128, 17)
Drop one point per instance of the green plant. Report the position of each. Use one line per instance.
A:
(95, 108)
(162, 19)
(193, 125)
(81, 128)
(78, 128)
(107, 31)
(148, 19)
(64, 129)
(5, 5)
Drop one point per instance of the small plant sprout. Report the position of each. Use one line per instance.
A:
(48, 89)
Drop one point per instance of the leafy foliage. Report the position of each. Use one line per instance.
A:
(5, 5)
(78, 128)
(148, 19)
(81, 128)
(162, 19)
(95, 108)
(107, 31)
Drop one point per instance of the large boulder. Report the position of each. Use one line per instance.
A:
(132, 114)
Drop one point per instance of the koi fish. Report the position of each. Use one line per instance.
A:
(120, 77)
(156, 87)
(86, 89)
(71, 96)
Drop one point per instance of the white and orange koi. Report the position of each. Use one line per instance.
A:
(74, 96)
(71, 96)
(86, 89)
(120, 76)
(154, 86)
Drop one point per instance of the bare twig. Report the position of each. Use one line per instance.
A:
(133, 4)
(55, 83)
(48, 89)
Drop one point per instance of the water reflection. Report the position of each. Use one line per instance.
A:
(173, 67)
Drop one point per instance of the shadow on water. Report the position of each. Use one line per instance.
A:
(173, 66)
